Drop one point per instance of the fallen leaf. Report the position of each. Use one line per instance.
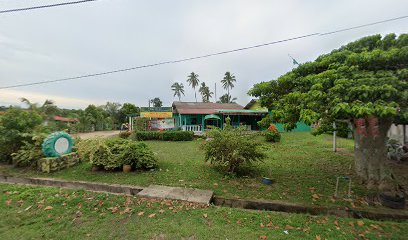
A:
(261, 225)
(263, 237)
(360, 223)
(9, 202)
(318, 237)
(315, 196)
(28, 208)
(161, 211)
(205, 215)
(152, 215)
(48, 208)
(288, 227)
(140, 213)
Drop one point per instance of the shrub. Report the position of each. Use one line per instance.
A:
(163, 136)
(114, 153)
(17, 126)
(272, 134)
(30, 152)
(124, 135)
(231, 148)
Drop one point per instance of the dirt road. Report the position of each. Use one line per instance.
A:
(97, 134)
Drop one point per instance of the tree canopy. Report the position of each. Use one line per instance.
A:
(363, 78)
(364, 82)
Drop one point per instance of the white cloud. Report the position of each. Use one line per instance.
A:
(12, 97)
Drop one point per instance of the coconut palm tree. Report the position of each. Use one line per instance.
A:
(228, 82)
(178, 89)
(31, 106)
(193, 81)
(205, 92)
(226, 99)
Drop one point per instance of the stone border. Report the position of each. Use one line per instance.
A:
(295, 208)
(218, 201)
(92, 186)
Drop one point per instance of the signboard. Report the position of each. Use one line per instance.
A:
(162, 123)
(156, 109)
(157, 115)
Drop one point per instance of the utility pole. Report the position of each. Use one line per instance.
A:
(215, 92)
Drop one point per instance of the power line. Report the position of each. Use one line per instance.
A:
(156, 64)
(44, 6)
(364, 25)
(202, 56)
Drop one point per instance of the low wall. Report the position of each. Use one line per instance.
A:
(53, 164)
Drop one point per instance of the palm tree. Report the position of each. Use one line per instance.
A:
(226, 99)
(193, 81)
(228, 82)
(205, 92)
(178, 89)
(31, 106)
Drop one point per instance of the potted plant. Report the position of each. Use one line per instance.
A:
(127, 166)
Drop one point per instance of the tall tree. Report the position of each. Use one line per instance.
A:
(228, 82)
(113, 111)
(193, 81)
(205, 92)
(156, 102)
(30, 105)
(364, 82)
(127, 109)
(178, 89)
(226, 99)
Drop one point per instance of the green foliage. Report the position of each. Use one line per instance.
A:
(17, 126)
(113, 153)
(178, 89)
(272, 136)
(231, 148)
(365, 77)
(156, 102)
(124, 135)
(163, 136)
(30, 152)
(205, 92)
(127, 109)
(265, 122)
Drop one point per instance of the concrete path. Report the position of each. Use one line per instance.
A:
(177, 193)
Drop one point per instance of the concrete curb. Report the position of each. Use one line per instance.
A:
(278, 206)
(92, 186)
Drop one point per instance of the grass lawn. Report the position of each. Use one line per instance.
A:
(303, 167)
(52, 213)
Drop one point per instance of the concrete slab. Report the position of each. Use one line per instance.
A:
(155, 191)
(201, 196)
(177, 193)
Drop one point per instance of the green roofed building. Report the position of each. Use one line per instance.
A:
(198, 116)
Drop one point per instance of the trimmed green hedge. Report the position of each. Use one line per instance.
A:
(164, 136)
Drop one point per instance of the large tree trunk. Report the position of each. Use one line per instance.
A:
(371, 153)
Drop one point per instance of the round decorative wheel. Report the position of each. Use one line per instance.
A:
(57, 144)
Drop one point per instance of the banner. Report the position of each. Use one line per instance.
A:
(162, 123)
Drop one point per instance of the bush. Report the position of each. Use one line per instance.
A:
(30, 152)
(114, 153)
(163, 136)
(124, 135)
(16, 127)
(272, 134)
(231, 148)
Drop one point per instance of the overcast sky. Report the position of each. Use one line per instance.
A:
(105, 35)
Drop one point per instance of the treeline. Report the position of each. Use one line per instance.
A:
(93, 118)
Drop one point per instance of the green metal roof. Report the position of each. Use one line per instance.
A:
(212, 116)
